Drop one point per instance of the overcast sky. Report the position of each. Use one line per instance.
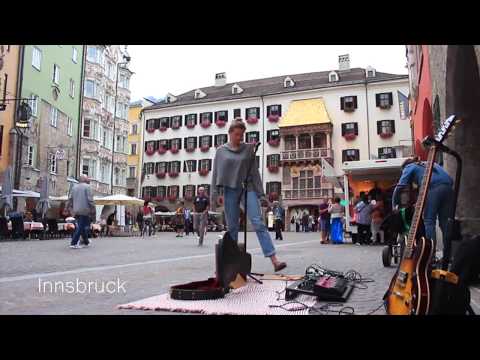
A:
(159, 69)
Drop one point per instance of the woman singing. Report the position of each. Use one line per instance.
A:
(230, 167)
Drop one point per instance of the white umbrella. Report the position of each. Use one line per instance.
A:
(7, 189)
(118, 199)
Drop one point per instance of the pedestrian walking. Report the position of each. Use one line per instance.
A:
(364, 220)
(230, 168)
(297, 223)
(278, 214)
(310, 222)
(378, 215)
(201, 205)
(180, 220)
(336, 214)
(305, 222)
(140, 220)
(147, 218)
(187, 216)
(324, 220)
(81, 204)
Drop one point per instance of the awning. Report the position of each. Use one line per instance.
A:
(118, 199)
(305, 112)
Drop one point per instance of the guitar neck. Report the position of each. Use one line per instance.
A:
(422, 196)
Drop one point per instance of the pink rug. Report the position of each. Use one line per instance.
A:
(252, 299)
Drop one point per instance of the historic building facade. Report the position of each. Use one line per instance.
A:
(103, 136)
(135, 144)
(339, 115)
(50, 77)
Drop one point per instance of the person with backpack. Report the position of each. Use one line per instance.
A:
(364, 220)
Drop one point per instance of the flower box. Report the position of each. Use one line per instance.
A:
(205, 124)
(150, 130)
(172, 198)
(203, 172)
(192, 149)
(274, 142)
(162, 150)
(163, 128)
(273, 168)
(175, 127)
(350, 136)
(220, 123)
(158, 198)
(386, 135)
(174, 150)
(190, 126)
(204, 148)
(273, 196)
(252, 120)
(150, 151)
(161, 175)
(173, 174)
(273, 118)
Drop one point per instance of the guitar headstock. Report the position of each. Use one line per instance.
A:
(447, 126)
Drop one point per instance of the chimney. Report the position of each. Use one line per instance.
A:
(220, 79)
(344, 62)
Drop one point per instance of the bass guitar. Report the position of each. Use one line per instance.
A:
(409, 290)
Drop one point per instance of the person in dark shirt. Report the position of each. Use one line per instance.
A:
(440, 195)
(324, 222)
(201, 204)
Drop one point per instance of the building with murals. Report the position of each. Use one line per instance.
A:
(445, 80)
(50, 76)
(346, 114)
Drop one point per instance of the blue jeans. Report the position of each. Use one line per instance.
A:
(439, 204)
(254, 213)
(83, 227)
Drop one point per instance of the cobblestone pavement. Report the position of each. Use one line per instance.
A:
(145, 267)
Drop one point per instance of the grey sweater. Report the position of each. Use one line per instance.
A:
(81, 200)
(230, 168)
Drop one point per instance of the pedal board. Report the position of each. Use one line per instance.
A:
(324, 288)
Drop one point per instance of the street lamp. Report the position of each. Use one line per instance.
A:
(124, 63)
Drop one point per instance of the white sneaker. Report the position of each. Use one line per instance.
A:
(75, 247)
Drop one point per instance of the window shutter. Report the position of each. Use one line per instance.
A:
(394, 152)
(355, 102)
(210, 140)
(269, 133)
(258, 113)
(343, 128)
(185, 142)
(392, 123)
(357, 154)
(356, 129)
(268, 187)
(379, 127)
(390, 98)
(377, 99)
(268, 110)
(279, 110)
(194, 167)
(209, 164)
(196, 142)
(342, 105)
(216, 116)
(180, 143)
(226, 115)
(185, 166)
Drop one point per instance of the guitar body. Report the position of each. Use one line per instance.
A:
(409, 290)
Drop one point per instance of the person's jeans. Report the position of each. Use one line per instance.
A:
(199, 225)
(82, 229)
(439, 204)
(254, 213)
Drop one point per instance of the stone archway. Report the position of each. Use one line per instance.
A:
(463, 99)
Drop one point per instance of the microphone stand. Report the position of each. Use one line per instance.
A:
(245, 191)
